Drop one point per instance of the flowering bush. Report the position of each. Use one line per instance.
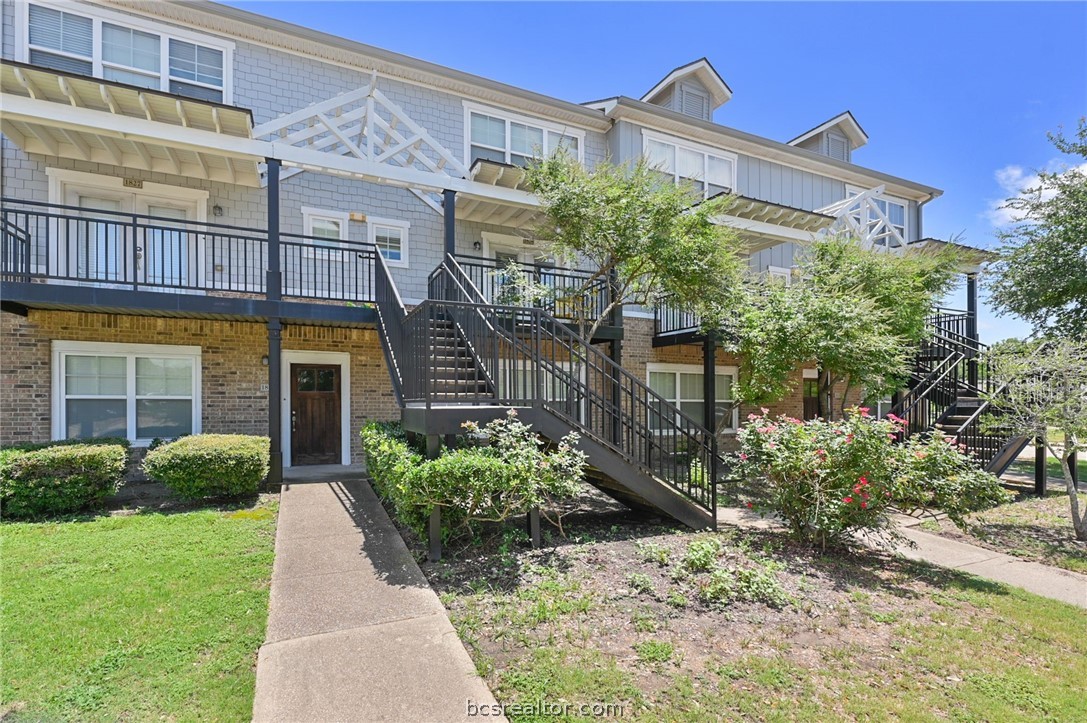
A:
(828, 480)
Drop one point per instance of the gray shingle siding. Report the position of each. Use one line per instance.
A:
(272, 82)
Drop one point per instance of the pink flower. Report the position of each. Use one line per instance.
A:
(864, 411)
(919, 454)
(863, 479)
(743, 456)
(847, 500)
(750, 505)
(890, 437)
(864, 505)
(752, 417)
(764, 410)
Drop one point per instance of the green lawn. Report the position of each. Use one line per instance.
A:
(135, 617)
(1053, 469)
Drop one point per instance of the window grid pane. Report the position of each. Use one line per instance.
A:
(389, 242)
(132, 48)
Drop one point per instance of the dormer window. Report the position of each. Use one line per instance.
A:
(126, 49)
(693, 102)
(837, 146)
(708, 170)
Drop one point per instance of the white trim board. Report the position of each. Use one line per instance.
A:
(61, 347)
(298, 356)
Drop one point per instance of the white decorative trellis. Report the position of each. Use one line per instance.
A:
(365, 124)
(862, 215)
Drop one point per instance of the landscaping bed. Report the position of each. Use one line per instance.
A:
(137, 615)
(1034, 528)
(617, 613)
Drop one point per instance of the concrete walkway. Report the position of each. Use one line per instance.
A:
(355, 633)
(1051, 582)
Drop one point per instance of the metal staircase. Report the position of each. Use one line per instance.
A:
(949, 392)
(457, 357)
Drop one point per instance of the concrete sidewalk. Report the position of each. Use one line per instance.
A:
(355, 632)
(1051, 582)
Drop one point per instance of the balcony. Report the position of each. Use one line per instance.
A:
(55, 256)
(555, 287)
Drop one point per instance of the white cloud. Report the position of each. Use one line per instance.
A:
(1013, 180)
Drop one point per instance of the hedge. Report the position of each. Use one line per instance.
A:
(210, 465)
(62, 477)
(500, 470)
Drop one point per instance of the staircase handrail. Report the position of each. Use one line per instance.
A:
(675, 420)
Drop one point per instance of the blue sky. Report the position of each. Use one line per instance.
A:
(954, 95)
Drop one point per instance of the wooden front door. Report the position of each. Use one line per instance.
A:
(315, 414)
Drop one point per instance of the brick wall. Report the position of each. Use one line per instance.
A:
(232, 372)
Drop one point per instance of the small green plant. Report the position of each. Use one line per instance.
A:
(701, 554)
(677, 599)
(640, 582)
(653, 552)
(59, 478)
(210, 465)
(643, 623)
(654, 651)
(719, 590)
(761, 584)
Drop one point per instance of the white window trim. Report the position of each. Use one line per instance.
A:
(99, 15)
(780, 272)
(470, 107)
(697, 369)
(851, 191)
(648, 136)
(310, 214)
(62, 348)
(339, 358)
(372, 222)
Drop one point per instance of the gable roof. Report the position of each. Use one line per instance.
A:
(843, 121)
(704, 72)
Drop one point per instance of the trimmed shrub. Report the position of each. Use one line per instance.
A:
(210, 465)
(507, 473)
(59, 478)
(828, 480)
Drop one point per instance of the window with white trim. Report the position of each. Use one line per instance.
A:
(137, 391)
(324, 228)
(494, 136)
(126, 51)
(779, 275)
(710, 172)
(391, 239)
(893, 208)
(837, 146)
(682, 385)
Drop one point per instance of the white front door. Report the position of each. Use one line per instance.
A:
(109, 246)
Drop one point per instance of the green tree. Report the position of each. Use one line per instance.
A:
(859, 314)
(1042, 271)
(1044, 388)
(637, 230)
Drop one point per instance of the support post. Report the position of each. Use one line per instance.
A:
(1040, 473)
(274, 282)
(709, 381)
(273, 291)
(434, 532)
(972, 324)
(449, 208)
(709, 406)
(434, 526)
(533, 523)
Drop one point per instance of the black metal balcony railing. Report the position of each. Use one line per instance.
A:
(73, 245)
(557, 287)
(671, 319)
